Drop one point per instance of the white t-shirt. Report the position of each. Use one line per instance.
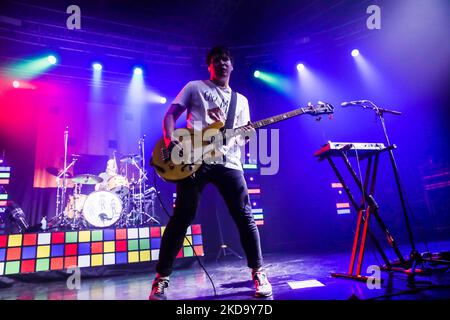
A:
(198, 96)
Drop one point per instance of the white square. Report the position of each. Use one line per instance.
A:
(109, 258)
(155, 254)
(305, 284)
(44, 238)
(189, 230)
(144, 232)
(132, 233)
(2, 267)
(84, 261)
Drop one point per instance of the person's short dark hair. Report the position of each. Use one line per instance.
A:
(218, 51)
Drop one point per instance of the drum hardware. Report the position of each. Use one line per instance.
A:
(87, 179)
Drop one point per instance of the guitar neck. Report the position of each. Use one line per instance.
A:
(271, 120)
(278, 118)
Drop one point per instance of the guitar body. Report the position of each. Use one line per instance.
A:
(174, 171)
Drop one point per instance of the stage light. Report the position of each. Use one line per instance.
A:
(355, 52)
(51, 59)
(16, 84)
(256, 74)
(138, 71)
(163, 100)
(97, 66)
(300, 67)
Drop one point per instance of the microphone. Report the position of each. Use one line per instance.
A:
(353, 103)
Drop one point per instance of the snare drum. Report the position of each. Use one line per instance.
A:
(119, 185)
(102, 209)
(75, 205)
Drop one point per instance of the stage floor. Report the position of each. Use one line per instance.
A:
(232, 280)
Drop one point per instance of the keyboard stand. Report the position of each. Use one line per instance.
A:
(367, 208)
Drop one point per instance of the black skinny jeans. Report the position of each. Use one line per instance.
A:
(233, 188)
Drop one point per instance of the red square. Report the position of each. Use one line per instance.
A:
(121, 234)
(30, 239)
(180, 254)
(96, 247)
(57, 264)
(155, 232)
(121, 246)
(58, 237)
(13, 254)
(71, 249)
(198, 250)
(2, 241)
(70, 262)
(196, 229)
(28, 266)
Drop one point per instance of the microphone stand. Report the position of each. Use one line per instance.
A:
(414, 255)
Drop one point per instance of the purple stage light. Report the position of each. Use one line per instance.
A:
(137, 71)
(355, 52)
(300, 67)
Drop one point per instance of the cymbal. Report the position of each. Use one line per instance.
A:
(130, 158)
(87, 179)
(56, 172)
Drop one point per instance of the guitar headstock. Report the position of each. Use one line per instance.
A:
(319, 109)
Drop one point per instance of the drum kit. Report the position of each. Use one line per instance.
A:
(120, 200)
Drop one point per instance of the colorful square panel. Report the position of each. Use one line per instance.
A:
(30, 239)
(58, 237)
(57, 250)
(155, 232)
(15, 240)
(13, 253)
(57, 264)
(44, 238)
(29, 253)
(28, 266)
(109, 234)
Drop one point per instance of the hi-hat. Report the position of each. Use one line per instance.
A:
(130, 158)
(56, 172)
(87, 179)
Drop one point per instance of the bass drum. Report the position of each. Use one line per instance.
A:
(102, 209)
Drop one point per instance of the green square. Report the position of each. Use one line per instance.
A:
(97, 235)
(133, 245)
(12, 267)
(144, 244)
(42, 264)
(71, 237)
(188, 252)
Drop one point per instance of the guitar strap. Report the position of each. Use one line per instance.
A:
(231, 111)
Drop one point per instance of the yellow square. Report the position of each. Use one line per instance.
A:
(43, 251)
(84, 236)
(162, 230)
(185, 242)
(133, 256)
(109, 246)
(96, 260)
(145, 255)
(15, 240)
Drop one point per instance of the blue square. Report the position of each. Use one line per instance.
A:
(109, 235)
(2, 254)
(84, 248)
(155, 243)
(121, 257)
(29, 252)
(197, 239)
(57, 250)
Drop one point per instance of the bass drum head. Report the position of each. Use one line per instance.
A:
(102, 209)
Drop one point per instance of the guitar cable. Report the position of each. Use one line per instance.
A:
(185, 237)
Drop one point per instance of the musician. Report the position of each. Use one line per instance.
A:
(207, 101)
(111, 171)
